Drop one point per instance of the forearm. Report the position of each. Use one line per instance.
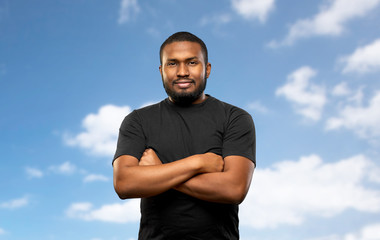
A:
(213, 187)
(229, 186)
(145, 181)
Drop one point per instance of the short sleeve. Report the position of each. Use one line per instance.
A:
(131, 140)
(239, 137)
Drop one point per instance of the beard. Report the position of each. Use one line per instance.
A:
(185, 98)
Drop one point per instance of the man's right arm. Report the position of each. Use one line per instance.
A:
(132, 180)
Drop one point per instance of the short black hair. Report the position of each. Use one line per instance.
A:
(182, 37)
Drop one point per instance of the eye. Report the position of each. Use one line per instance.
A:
(171, 64)
(193, 63)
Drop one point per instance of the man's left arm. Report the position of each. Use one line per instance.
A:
(230, 186)
(239, 150)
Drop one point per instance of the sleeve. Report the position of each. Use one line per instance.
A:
(239, 137)
(131, 140)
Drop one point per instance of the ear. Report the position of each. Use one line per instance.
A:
(160, 68)
(208, 69)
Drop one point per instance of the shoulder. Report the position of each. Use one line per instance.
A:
(137, 115)
(230, 110)
(148, 111)
(150, 108)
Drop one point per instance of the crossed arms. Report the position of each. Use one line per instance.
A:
(206, 176)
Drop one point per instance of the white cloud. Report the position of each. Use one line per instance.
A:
(129, 211)
(341, 90)
(356, 97)
(369, 232)
(309, 187)
(253, 9)
(34, 172)
(101, 130)
(308, 99)
(374, 175)
(66, 168)
(128, 10)
(257, 106)
(290, 191)
(149, 103)
(78, 208)
(330, 21)
(15, 203)
(363, 120)
(216, 19)
(154, 32)
(95, 177)
(364, 60)
(2, 231)
(330, 237)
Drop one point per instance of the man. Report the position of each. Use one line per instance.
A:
(190, 158)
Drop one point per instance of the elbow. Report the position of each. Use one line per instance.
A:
(122, 194)
(238, 195)
(240, 198)
(122, 190)
(237, 199)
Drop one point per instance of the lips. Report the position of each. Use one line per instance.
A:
(183, 83)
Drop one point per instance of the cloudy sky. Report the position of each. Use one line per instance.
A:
(307, 71)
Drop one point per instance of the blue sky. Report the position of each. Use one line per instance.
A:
(307, 71)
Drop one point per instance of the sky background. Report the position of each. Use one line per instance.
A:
(307, 71)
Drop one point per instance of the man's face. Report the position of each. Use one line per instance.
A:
(184, 72)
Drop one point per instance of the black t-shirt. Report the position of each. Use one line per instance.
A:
(174, 133)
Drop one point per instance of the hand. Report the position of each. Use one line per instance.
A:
(211, 162)
(149, 158)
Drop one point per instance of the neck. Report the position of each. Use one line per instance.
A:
(200, 99)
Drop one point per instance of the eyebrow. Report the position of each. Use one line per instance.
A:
(187, 59)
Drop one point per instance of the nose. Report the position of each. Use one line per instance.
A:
(182, 70)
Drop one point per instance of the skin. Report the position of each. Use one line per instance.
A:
(134, 179)
(206, 176)
(183, 68)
